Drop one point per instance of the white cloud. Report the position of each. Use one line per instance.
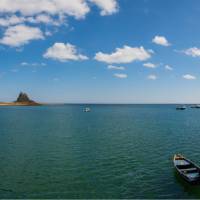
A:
(194, 52)
(152, 77)
(189, 77)
(169, 68)
(47, 19)
(126, 54)
(75, 8)
(16, 36)
(33, 64)
(11, 20)
(14, 70)
(161, 40)
(63, 52)
(149, 65)
(48, 33)
(107, 7)
(112, 67)
(26, 13)
(24, 64)
(121, 76)
(42, 18)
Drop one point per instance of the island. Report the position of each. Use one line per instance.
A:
(22, 100)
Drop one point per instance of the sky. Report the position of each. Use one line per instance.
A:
(100, 51)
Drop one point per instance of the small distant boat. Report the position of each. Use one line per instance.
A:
(87, 110)
(181, 107)
(187, 169)
(195, 106)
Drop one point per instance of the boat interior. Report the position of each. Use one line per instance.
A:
(187, 168)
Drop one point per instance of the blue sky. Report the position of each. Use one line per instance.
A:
(100, 51)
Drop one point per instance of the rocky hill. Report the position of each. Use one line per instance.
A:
(23, 97)
(22, 100)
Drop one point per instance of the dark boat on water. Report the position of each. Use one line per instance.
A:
(181, 107)
(187, 169)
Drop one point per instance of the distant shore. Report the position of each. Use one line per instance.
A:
(20, 104)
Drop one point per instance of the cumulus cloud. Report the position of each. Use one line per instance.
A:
(125, 54)
(150, 65)
(64, 52)
(11, 20)
(152, 77)
(107, 7)
(75, 8)
(26, 13)
(194, 52)
(42, 18)
(121, 76)
(112, 67)
(161, 40)
(16, 36)
(46, 19)
(169, 68)
(189, 77)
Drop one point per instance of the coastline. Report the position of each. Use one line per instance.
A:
(20, 104)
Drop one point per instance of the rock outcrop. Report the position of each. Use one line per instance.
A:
(23, 99)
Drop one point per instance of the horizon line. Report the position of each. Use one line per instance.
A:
(118, 103)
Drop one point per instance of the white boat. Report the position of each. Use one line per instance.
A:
(181, 107)
(87, 109)
(195, 106)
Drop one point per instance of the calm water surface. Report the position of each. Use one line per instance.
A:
(116, 151)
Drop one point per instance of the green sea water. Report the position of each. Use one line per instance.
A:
(115, 151)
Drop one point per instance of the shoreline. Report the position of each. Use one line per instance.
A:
(20, 104)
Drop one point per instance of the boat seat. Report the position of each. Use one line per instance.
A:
(193, 175)
(189, 169)
(181, 162)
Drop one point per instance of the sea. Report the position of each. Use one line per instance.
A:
(112, 152)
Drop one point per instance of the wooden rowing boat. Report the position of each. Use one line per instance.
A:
(187, 169)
